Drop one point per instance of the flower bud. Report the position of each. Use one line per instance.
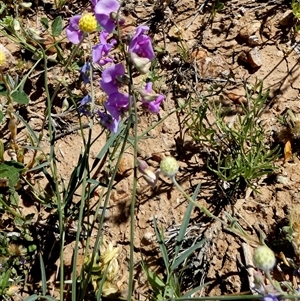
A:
(169, 166)
(88, 23)
(264, 258)
(149, 176)
(142, 64)
(148, 96)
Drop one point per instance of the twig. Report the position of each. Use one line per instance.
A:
(77, 128)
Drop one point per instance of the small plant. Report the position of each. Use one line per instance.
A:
(170, 284)
(237, 148)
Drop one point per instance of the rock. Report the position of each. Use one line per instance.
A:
(254, 58)
(287, 18)
(249, 30)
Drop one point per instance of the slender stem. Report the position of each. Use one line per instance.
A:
(240, 233)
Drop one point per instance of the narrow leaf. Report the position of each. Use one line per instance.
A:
(186, 254)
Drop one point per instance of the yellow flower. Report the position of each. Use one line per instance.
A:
(88, 23)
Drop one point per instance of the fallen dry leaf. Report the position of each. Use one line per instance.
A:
(287, 151)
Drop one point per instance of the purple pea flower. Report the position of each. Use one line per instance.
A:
(116, 104)
(85, 105)
(85, 72)
(141, 44)
(104, 10)
(150, 100)
(108, 121)
(109, 82)
(101, 50)
(74, 34)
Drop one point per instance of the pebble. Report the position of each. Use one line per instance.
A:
(254, 58)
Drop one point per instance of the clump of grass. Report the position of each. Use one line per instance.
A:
(238, 149)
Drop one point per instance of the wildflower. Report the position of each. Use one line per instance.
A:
(110, 75)
(104, 10)
(116, 104)
(80, 25)
(141, 45)
(264, 258)
(85, 72)
(169, 166)
(107, 121)
(142, 64)
(148, 174)
(101, 50)
(85, 105)
(151, 101)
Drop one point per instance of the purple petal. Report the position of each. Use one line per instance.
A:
(106, 7)
(148, 87)
(109, 122)
(103, 10)
(117, 104)
(141, 43)
(85, 72)
(109, 82)
(73, 33)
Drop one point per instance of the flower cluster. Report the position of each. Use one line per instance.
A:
(140, 53)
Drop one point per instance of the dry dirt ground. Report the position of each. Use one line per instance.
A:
(249, 41)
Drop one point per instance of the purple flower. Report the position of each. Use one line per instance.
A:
(101, 50)
(141, 44)
(270, 297)
(150, 100)
(116, 104)
(103, 12)
(109, 122)
(74, 34)
(109, 82)
(85, 72)
(85, 105)
(94, 2)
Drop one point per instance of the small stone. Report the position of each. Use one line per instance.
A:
(148, 238)
(249, 30)
(125, 166)
(282, 180)
(254, 58)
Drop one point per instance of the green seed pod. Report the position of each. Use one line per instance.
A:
(264, 258)
(169, 166)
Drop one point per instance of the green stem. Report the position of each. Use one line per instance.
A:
(240, 233)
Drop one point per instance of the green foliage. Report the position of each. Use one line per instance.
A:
(169, 286)
(238, 149)
(10, 170)
(296, 8)
(57, 26)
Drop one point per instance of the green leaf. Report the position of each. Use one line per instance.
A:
(1, 116)
(56, 26)
(186, 221)
(186, 254)
(3, 90)
(32, 298)
(11, 170)
(43, 274)
(45, 22)
(20, 97)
